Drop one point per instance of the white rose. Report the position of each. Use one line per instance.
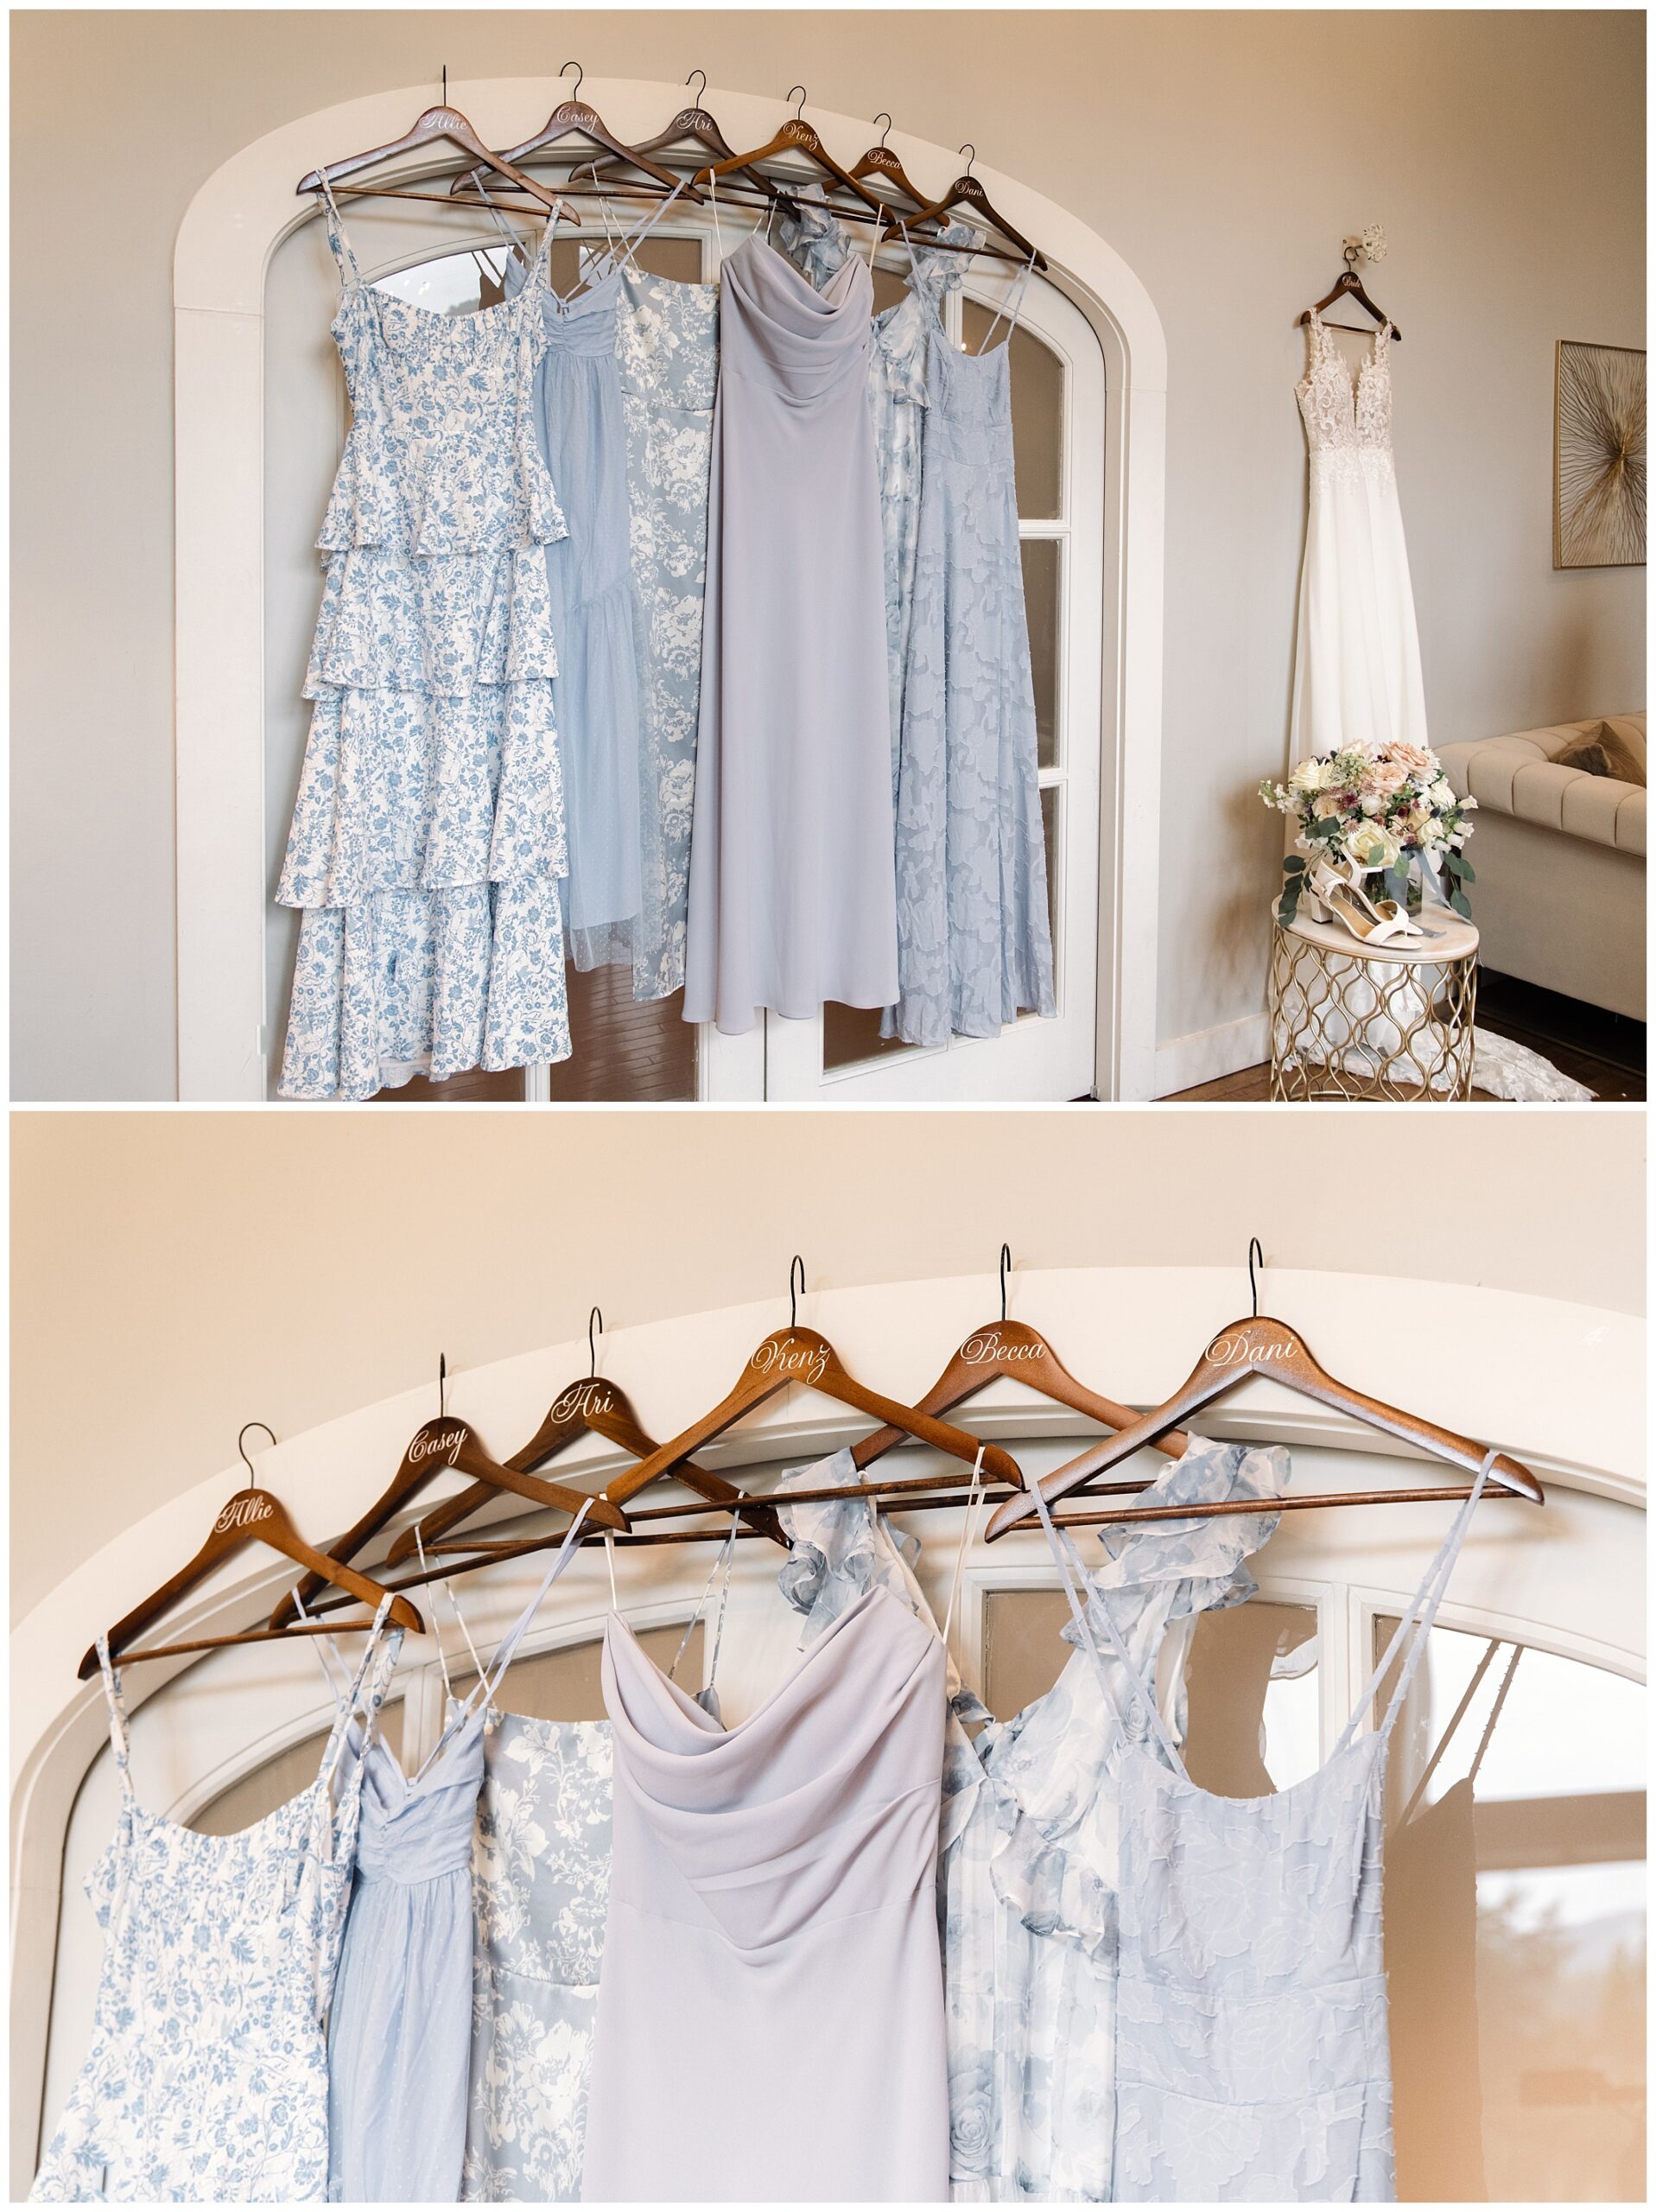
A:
(1313, 775)
(1371, 847)
(1442, 793)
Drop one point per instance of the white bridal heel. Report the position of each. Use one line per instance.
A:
(1374, 921)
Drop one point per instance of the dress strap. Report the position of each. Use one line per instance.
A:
(338, 243)
(365, 1694)
(721, 1566)
(973, 1498)
(918, 286)
(1418, 1617)
(119, 1743)
(490, 1679)
(1013, 299)
(1071, 1569)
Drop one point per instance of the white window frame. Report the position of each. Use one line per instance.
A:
(235, 223)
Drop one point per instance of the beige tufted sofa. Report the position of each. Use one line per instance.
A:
(1560, 856)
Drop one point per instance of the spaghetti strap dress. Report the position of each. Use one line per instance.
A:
(427, 837)
(207, 2080)
(772, 1901)
(1253, 2062)
(1026, 1871)
(975, 938)
(792, 891)
(539, 1877)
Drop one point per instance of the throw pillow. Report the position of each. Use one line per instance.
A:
(1602, 752)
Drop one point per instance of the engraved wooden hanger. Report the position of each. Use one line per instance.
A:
(1011, 1348)
(443, 125)
(1348, 286)
(880, 160)
(572, 118)
(796, 136)
(967, 192)
(595, 1407)
(1259, 1345)
(251, 1517)
(436, 1447)
(691, 125)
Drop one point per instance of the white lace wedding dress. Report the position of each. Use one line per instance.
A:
(1357, 654)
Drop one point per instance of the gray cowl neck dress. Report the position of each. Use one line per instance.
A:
(771, 1948)
(793, 878)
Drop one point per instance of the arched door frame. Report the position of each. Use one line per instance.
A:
(1557, 1382)
(233, 225)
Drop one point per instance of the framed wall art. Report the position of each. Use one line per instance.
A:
(1598, 495)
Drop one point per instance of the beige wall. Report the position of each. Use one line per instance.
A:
(177, 1275)
(1223, 155)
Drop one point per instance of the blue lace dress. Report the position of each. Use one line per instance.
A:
(427, 837)
(207, 2077)
(1027, 1879)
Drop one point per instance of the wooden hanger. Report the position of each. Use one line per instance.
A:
(436, 1447)
(796, 136)
(967, 192)
(1011, 1348)
(251, 1517)
(1256, 1344)
(438, 125)
(880, 160)
(594, 1408)
(1348, 287)
(571, 118)
(692, 124)
(803, 1355)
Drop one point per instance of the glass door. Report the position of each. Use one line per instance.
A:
(1057, 388)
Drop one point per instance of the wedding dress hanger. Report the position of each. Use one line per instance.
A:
(436, 1447)
(1348, 286)
(796, 136)
(967, 192)
(1013, 1348)
(880, 160)
(596, 1406)
(573, 117)
(1256, 1344)
(251, 1517)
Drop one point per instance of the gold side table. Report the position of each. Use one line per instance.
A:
(1391, 1021)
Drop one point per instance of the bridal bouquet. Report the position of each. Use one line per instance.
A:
(1385, 810)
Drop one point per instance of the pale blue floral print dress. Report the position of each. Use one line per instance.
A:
(1027, 1871)
(207, 2077)
(427, 836)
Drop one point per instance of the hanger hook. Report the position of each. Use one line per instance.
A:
(970, 149)
(246, 1425)
(1006, 1269)
(883, 117)
(702, 86)
(794, 1296)
(442, 1384)
(581, 77)
(1253, 1246)
(445, 103)
(800, 110)
(595, 1316)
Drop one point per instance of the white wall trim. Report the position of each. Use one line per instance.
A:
(1560, 1383)
(231, 228)
(1205, 1055)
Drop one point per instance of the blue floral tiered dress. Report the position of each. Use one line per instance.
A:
(427, 836)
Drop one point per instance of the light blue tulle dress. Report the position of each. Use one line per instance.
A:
(1027, 1882)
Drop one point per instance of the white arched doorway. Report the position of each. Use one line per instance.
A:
(1548, 1378)
(1109, 798)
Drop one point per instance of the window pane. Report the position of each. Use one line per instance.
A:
(678, 259)
(1250, 1676)
(1043, 575)
(890, 289)
(1514, 1926)
(256, 1794)
(851, 1033)
(1037, 412)
(564, 1684)
(1051, 795)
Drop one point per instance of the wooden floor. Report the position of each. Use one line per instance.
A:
(1604, 1051)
